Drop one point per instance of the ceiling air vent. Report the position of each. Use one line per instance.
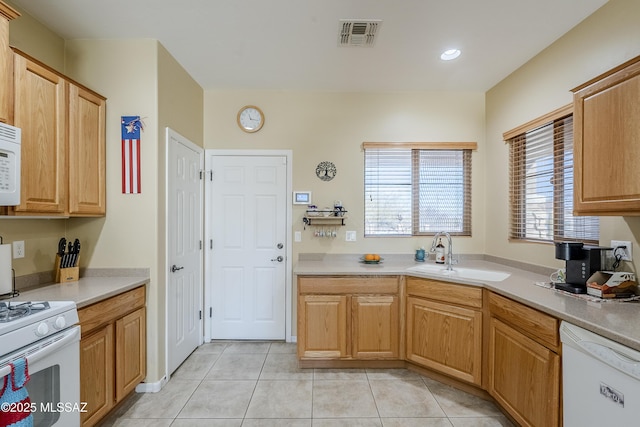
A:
(358, 32)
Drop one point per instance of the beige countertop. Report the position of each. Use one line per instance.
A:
(618, 321)
(86, 291)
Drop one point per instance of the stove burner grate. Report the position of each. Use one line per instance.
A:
(10, 312)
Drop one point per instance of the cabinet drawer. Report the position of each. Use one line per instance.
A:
(529, 321)
(469, 296)
(347, 285)
(110, 309)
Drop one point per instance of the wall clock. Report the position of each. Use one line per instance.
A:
(250, 118)
(326, 171)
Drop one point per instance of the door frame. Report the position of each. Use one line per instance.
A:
(167, 225)
(208, 294)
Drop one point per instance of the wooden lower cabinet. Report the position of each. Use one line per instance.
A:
(96, 374)
(524, 372)
(131, 352)
(445, 338)
(322, 329)
(344, 318)
(375, 321)
(112, 352)
(444, 329)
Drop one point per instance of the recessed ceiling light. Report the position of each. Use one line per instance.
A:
(450, 54)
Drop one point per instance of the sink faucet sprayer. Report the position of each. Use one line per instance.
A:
(450, 252)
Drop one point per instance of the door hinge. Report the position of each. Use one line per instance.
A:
(201, 174)
(211, 175)
(200, 244)
(210, 311)
(200, 314)
(211, 244)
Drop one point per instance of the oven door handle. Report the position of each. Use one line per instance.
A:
(42, 349)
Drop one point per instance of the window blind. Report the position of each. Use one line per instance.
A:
(541, 186)
(417, 191)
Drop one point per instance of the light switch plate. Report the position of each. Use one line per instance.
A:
(297, 236)
(350, 236)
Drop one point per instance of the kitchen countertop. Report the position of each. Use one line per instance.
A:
(86, 291)
(618, 321)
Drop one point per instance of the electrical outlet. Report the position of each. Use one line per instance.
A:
(297, 236)
(626, 252)
(350, 236)
(18, 249)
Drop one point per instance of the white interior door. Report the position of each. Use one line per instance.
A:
(247, 221)
(184, 248)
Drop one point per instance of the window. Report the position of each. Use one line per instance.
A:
(541, 182)
(417, 189)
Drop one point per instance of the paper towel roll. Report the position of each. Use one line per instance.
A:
(6, 284)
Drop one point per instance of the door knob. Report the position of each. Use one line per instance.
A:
(279, 258)
(174, 268)
(280, 246)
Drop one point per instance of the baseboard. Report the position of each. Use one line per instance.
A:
(151, 387)
(294, 338)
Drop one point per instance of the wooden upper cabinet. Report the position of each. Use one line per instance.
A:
(607, 143)
(40, 111)
(63, 142)
(86, 152)
(6, 87)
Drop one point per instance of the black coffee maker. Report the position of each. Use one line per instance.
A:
(582, 261)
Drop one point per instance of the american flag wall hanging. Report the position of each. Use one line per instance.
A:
(131, 127)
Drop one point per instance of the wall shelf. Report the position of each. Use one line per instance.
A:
(324, 220)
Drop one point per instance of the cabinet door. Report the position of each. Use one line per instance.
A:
(375, 327)
(40, 111)
(6, 86)
(86, 152)
(96, 375)
(445, 338)
(131, 354)
(524, 376)
(322, 326)
(607, 144)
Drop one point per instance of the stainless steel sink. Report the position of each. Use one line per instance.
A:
(462, 272)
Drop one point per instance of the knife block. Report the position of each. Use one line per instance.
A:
(69, 274)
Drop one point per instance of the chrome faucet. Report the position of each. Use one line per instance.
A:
(450, 252)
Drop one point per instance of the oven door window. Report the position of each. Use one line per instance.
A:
(44, 391)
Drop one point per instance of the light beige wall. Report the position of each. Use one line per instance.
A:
(40, 237)
(180, 99)
(31, 37)
(607, 38)
(180, 107)
(128, 236)
(321, 126)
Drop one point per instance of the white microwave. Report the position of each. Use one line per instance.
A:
(10, 138)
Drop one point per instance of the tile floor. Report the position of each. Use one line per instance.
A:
(259, 384)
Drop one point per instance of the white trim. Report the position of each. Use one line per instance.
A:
(187, 143)
(151, 387)
(208, 298)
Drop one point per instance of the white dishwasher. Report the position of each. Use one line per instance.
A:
(601, 380)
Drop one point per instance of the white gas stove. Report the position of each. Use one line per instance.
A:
(23, 323)
(46, 335)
